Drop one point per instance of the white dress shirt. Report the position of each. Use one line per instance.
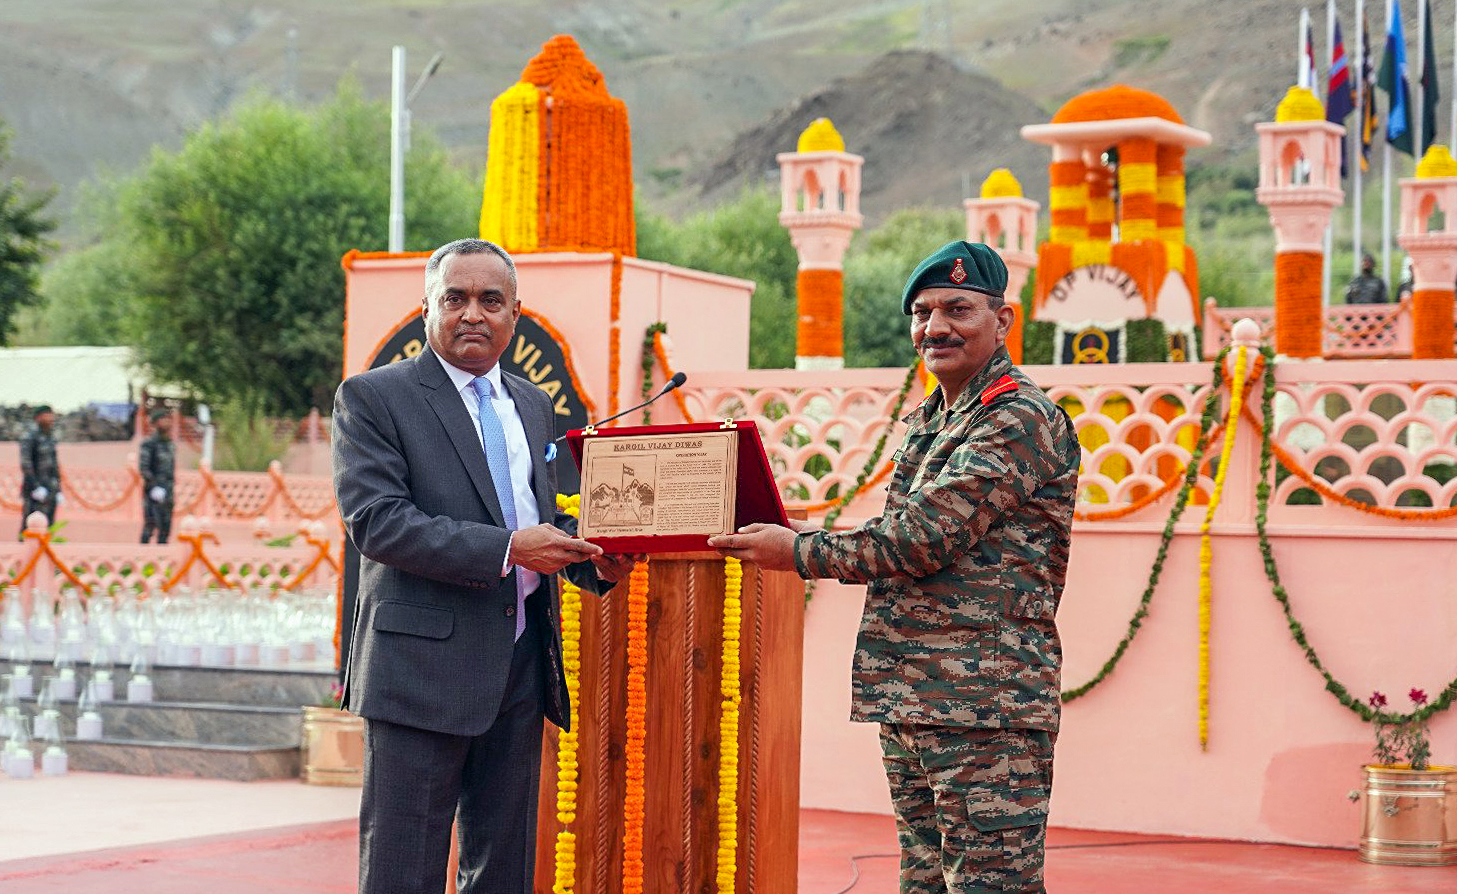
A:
(518, 452)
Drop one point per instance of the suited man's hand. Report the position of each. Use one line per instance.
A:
(547, 550)
(615, 568)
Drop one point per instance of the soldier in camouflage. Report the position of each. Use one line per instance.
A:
(157, 464)
(40, 470)
(958, 657)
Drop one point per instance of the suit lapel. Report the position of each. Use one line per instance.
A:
(446, 402)
(538, 435)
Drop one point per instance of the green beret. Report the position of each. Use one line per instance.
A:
(973, 266)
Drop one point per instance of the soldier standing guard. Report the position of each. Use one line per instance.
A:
(158, 464)
(958, 657)
(40, 470)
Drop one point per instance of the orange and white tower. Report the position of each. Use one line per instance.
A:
(820, 206)
(1433, 252)
(1007, 221)
(1300, 182)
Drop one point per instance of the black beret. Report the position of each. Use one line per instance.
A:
(973, 266)
(43, 408)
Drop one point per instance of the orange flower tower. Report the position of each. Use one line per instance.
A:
(820, 206)
(559, 160)
(1117, 212)
(1300, 182)
(1433, 252)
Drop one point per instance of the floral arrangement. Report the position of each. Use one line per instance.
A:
(634, 802)
(1402, 739)
(559, 162)
(1299, 321)
(821, 313)
(728, 728)
(566, 756)
(335, 698)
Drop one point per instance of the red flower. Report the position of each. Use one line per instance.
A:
(1418, 697)
(1377, 700)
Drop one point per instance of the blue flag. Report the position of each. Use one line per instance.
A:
(1392, 79)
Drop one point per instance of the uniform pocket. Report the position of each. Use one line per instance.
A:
(414, 619)
(1032, 605)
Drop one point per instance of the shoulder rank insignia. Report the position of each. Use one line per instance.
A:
(1004, 385)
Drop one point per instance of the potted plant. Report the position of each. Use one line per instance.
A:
(1409, 816)
(333, 743)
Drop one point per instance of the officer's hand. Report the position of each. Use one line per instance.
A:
(797, 526)
(40, 494)
(615, 568)
(547, 550)
(157, 493)
(768, 546)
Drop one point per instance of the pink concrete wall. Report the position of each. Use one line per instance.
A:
(707, 314)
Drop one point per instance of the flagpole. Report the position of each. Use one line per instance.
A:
(1330, 56)
(1357, 136)
(1418, 137)
(1302, 65)
(1386, 176)
(1452, 134)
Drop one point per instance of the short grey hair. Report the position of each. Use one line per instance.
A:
(466, 247)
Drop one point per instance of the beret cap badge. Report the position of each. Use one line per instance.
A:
(958, 273)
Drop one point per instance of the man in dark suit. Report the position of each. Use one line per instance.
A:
(440, 469)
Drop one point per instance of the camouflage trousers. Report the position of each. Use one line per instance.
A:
(971, 806)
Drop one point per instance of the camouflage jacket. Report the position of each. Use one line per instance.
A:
(157, 463)
(966, 565)
(39, 466)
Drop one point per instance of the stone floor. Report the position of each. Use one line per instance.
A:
(130, 835)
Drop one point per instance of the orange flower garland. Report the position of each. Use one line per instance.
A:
(566, 756)
(728, 727)
(821, 313)
(1298, 318)
(614, 335)
(635, 799)
(1431, 323)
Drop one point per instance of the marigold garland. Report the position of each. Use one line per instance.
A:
(635, 799)
(821, 329)
(653, 350)
(1299, 320)
(1431, 323)
(1206, 544)
(614, 335)
(568, 777)
(728, 727)
(1277, 589)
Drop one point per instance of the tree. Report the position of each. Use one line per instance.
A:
(741, 238)
(23, 229)
(225, 254)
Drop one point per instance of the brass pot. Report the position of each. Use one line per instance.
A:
(1409, 817)
(333, 745)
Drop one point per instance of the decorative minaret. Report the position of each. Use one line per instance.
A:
(1300, 182)
(1433, 252)
(1005, 220)
(820, 206)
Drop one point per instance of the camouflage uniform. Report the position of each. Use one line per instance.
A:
(157, 464)
(39, 467)
(958, 656)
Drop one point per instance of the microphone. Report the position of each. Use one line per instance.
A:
(675, 382)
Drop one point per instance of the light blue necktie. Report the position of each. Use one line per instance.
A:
(493, 439)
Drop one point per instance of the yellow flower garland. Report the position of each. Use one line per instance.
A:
(635, 799)
(1206, 546)
(566, 755)
(728, 727)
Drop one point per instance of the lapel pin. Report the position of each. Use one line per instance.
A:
(550, 451)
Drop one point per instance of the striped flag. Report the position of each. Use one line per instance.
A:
(1369, 119)
(1340, 91)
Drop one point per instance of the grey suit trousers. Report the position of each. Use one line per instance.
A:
(417, 781)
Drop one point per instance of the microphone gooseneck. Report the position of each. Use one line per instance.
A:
(675, 382)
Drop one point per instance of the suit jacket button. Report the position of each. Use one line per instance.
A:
(510, 611)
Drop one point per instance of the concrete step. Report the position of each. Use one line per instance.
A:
(242, 763)
(211, 724)
(284, 688)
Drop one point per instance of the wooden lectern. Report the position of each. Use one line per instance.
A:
(685, 624)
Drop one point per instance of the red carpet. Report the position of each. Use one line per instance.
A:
(321, 858)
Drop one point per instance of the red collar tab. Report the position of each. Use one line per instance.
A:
(1004, 385)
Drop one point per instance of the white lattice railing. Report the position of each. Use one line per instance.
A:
(1379, 432)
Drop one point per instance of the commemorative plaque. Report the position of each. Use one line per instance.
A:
(665, 488)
